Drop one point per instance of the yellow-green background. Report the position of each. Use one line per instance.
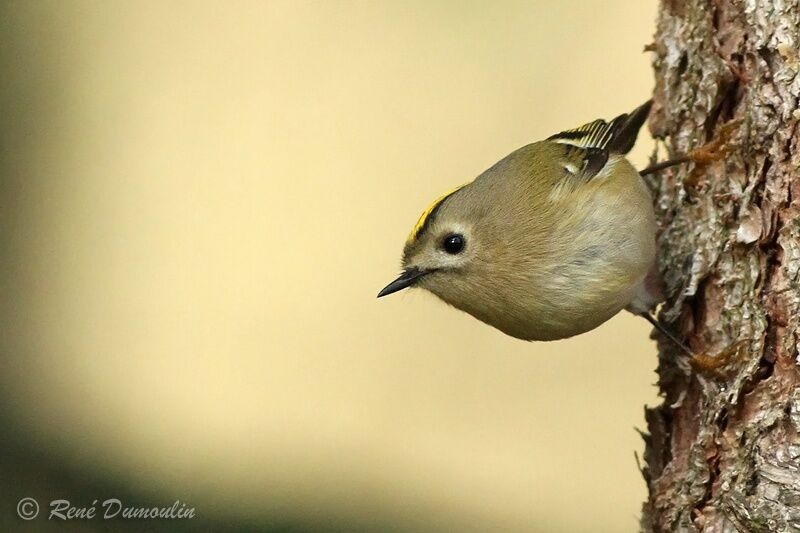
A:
(200, 201)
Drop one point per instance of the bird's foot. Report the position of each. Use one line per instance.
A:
(702, 363)
(714, 150)
(712, 365)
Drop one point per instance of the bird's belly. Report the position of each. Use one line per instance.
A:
(574, 305)
(586, 271)
(578, 291)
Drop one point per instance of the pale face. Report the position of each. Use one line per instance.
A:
(440, 244)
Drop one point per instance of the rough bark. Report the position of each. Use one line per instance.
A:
(723, 451)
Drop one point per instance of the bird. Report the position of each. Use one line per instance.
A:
(550, 242)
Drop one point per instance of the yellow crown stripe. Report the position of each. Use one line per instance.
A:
(423, 219)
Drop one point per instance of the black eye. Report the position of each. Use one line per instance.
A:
(453, 244)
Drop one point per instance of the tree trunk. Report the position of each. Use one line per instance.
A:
(723, 451)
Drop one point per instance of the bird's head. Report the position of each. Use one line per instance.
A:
(441, 246)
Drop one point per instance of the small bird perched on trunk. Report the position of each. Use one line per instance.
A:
(550, 242)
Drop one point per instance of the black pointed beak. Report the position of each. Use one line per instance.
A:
(406, 279)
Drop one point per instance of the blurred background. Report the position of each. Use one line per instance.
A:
(200, 201)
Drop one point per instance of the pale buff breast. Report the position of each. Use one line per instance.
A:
(608, 249)
(600, 255)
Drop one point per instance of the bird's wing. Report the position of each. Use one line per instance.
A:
(616, 137)
(588, 147)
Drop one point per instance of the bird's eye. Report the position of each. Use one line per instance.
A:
(453, 243)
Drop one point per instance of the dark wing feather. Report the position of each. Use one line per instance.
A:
(617, 136)
(592, 143)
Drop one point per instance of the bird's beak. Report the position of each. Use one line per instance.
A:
(406, 279)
